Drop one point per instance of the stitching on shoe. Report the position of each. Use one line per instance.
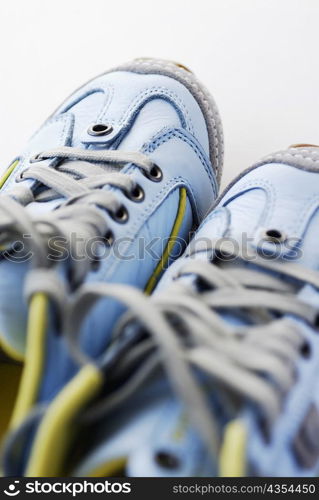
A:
(139, 98)
(179, 134)
(208, 104)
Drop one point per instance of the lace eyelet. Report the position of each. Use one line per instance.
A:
(155, 174)
(121, 215)
(167, 460)
(95, 265)
(202, 285)
(305, 350)
(100, 129)
(274, 236)
(136, 194)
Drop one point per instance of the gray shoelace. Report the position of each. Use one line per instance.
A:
(186, 329)
(74, 172)
(78, 178)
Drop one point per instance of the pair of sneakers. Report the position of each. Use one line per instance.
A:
(215, 373)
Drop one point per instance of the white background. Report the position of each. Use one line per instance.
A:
(259, 58)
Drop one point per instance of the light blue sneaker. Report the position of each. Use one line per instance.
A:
(149, 136)
(232, 329)
(156, 109)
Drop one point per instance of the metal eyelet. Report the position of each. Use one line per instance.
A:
(305, 349)
(167, 460)
(121, 215)
(100, 129)
(95, 265)
(136, 194)
(155, 174)
(274, 236)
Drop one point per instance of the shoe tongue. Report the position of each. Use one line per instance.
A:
(68, 167)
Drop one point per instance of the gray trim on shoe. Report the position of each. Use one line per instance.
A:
(303, 158)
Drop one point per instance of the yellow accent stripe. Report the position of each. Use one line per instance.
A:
(8, 172)
(34, 358)
(232, 459)
(56, 429)
(3, 180)
(54, 432)
(171, 242)
(111, 468)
